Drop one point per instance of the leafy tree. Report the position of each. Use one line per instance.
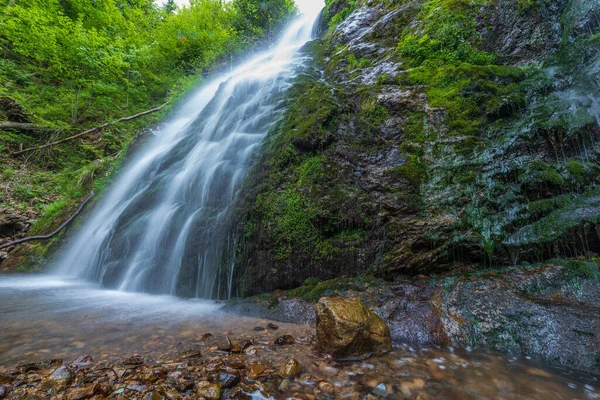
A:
(169, 7)
(257, 17)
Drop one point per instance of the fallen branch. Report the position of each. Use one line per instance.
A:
(48, 236)
(92, 130)
(22, 126)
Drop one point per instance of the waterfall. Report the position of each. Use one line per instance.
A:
(162, 225)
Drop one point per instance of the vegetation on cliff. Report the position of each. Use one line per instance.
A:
(70, 65)
(457, 140)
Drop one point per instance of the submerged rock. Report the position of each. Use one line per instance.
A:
(285, 339)
(209, 391)
(225, 344)
(255, 370)
(347, 329)
(228, 380)
(4, 391)
(290, 369)
(285, 385)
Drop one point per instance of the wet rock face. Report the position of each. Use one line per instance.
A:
(546, 311)
(426, 166)
(520, 36)
(347, 329)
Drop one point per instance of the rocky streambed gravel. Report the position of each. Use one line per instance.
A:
(252, 366)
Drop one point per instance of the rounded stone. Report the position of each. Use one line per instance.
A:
(60, 379)
(290, 368)
(347, 329)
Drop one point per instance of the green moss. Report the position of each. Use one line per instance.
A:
(448, 34)
(531, 5)
(290, 220)
(385, 79)
(575, 170)
(571, 215)
(585, 269)
(354, 63)
(372, 113)
(312, 112)
(413, 169)
(544, 206)
(311, 170)
(311, 281)
(540, 172)
(470, 93)
(314, 291)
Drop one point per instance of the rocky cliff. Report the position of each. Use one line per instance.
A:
(428, 137)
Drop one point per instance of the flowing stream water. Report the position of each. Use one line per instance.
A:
(48, 318)
(162, 226)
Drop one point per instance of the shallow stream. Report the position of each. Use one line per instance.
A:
(46, 318)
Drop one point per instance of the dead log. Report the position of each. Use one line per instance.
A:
(50, 235)
(22, 126)
(92, 130)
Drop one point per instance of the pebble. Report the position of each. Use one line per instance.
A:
(284, 386)
(380, 390)
(326, 387)
(228, 380)
(290, 368)
(209, 391)
(4, 391)
(60, 379)
(256, 370)
(225, 344)
(284, 340)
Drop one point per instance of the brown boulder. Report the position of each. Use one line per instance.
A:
(347, 329)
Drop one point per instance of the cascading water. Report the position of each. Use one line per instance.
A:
(161, 228)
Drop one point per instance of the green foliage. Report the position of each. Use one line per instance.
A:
(335, 19)
(74, 61)
(74, 64)
(260, 17)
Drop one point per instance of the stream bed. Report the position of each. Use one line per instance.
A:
(43, 317)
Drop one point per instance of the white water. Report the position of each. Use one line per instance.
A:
(162, 226)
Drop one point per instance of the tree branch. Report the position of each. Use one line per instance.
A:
(22, 126)
(48, 236)
(92, 130)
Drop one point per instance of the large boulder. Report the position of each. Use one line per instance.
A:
(347, 329)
